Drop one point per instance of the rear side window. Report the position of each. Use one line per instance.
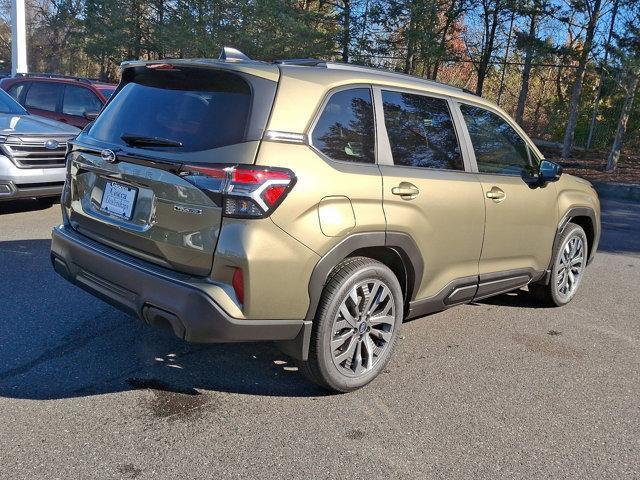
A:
(498, 147)
(199, 108)
(345, 129)
(78, 101)
(421, 132)
(43, 95)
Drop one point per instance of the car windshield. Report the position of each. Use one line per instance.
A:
(190, 109)
(9, 105)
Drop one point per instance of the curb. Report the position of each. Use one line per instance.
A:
(620, 191)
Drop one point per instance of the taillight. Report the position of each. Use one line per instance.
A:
(245, 191)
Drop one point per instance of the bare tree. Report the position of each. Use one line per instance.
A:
(491, 16)
(593, 13)
(603, 69)
(631, 87)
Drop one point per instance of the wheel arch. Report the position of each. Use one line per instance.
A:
(396, 250)
(585, 217)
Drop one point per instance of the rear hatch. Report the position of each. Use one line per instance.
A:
(124, 186)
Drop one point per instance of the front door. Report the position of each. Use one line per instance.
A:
(430, 195)
(521, 216)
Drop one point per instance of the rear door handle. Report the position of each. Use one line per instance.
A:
(496, 194)
(406, 190)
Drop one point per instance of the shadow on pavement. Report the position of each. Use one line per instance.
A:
(58, 342)
(518, 298)
(27, 205)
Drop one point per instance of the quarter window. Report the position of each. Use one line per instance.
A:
(43, 96)
(421, 132)
(498, 147)
(345, 129)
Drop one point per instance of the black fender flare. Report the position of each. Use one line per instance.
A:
(401, 242)
(566, 218)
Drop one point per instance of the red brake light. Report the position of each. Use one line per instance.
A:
(247, 191)
(273, 194)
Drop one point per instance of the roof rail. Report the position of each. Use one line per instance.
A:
(232, 54)
(302, 62)
(383, 71)
(58, 75)
(314, 62)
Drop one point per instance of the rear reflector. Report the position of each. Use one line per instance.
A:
(246, 191)
(238, 284)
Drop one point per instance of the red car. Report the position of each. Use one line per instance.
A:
(71, 100)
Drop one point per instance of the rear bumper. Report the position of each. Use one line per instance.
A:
(163, 298)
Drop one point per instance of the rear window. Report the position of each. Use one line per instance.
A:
(200, 109)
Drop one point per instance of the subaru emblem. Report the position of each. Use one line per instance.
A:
(51, 144)
(108, 155)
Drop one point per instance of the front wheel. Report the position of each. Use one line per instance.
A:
(569, 263)
(356, 325)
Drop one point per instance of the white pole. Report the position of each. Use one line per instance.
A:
(18, 38)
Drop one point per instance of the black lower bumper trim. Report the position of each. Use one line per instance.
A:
(12, 191)
(160, 300)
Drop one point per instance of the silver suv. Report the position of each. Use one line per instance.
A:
(32, 152)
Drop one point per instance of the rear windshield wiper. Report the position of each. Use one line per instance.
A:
(143, 141)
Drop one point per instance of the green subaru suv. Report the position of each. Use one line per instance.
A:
(317, 205)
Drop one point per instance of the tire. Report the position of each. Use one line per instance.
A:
(569, 262)
(363, 338)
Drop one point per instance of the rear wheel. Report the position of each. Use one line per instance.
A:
(356, 325)
(569, 263)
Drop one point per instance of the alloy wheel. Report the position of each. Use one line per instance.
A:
(570, 266)
(363, 327)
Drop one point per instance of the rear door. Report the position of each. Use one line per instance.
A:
(78, 101)
(522, 216)
(430, 193)
(125, 186)
(44, 98)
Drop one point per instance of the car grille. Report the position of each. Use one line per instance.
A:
(31, 152)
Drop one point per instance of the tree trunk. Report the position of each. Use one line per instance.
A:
(450, 19)
(411, 40)
(577, 85)
(487, 48)
(630, 93)
(526, 71)
(596, 102)
(346, 30)
(506, 59)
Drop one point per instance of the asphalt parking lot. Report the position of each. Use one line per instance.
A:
(497, 389)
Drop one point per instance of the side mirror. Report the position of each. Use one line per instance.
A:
(91, 116)
(549, 171)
